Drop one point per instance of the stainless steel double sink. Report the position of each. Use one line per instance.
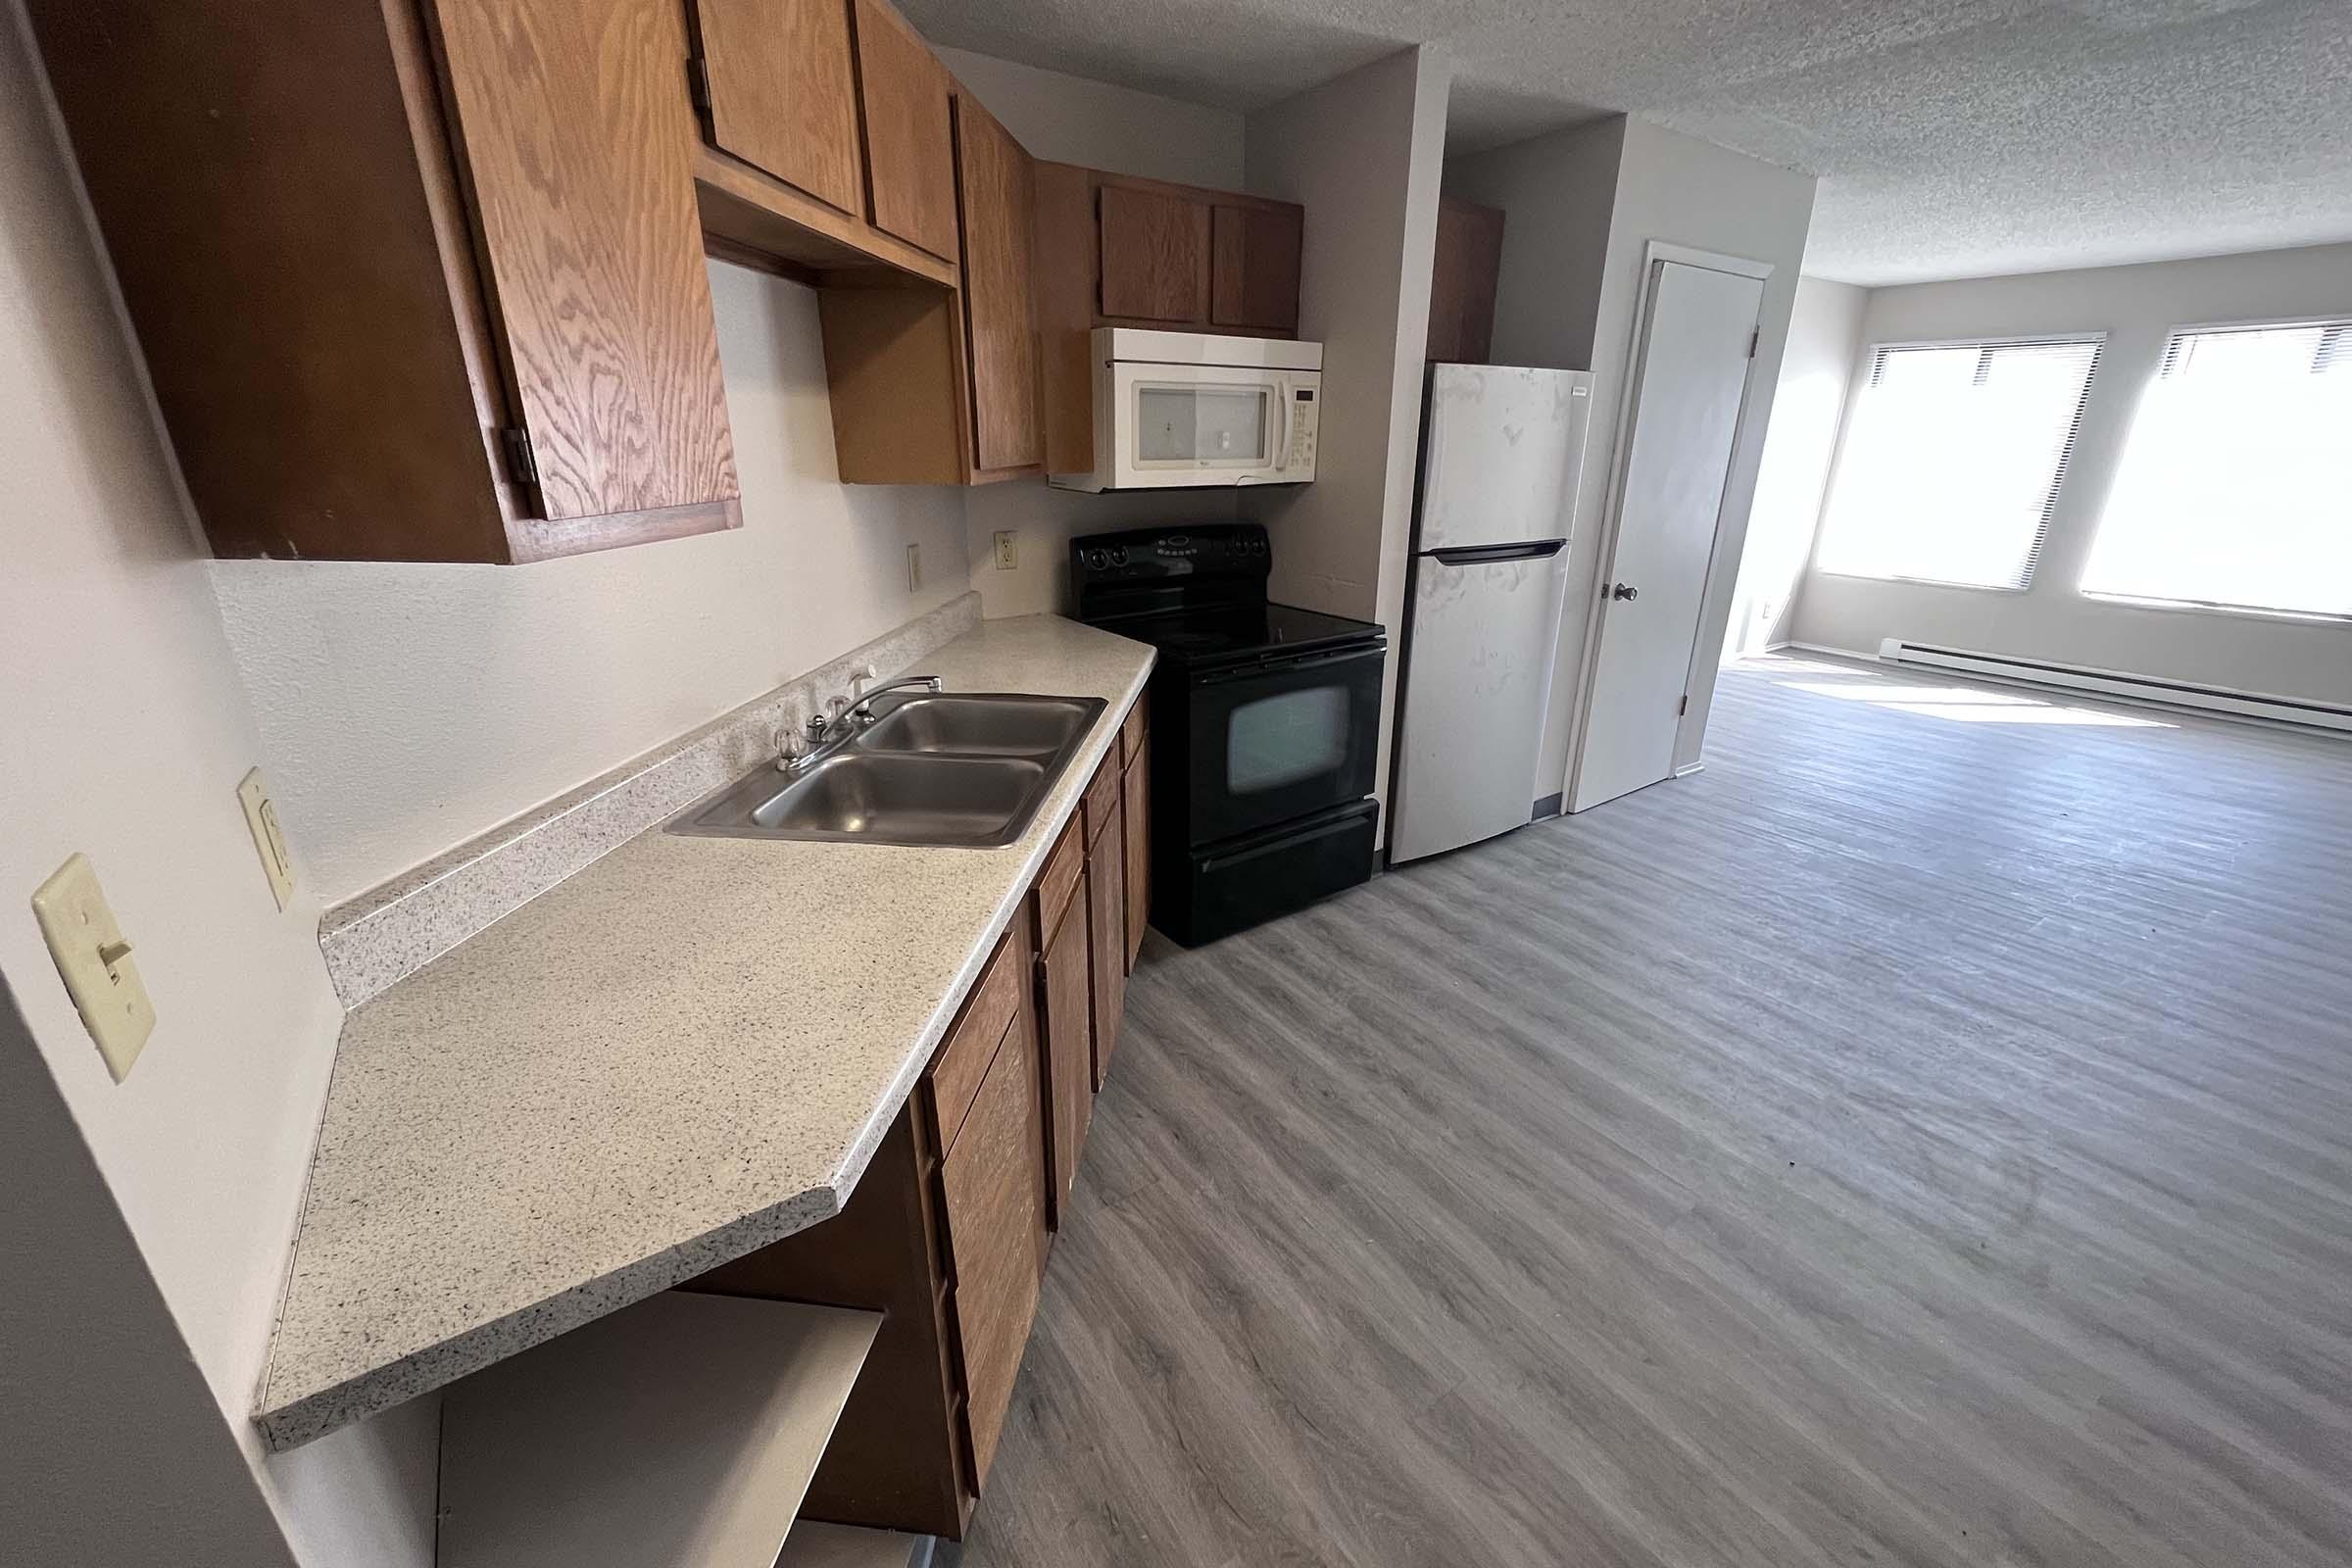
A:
(957, 768)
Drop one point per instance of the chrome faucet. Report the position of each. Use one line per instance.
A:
(840, 718)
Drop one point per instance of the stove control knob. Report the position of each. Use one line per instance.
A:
(1119, 555)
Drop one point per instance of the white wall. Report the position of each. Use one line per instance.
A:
(1365, 155)
(1825, 334)
(407, 707)
(126, 733)
(1666, 186)
(1070, 120)
(2136, 307)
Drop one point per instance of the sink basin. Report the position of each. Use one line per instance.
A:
(976, 725)
(958, 771)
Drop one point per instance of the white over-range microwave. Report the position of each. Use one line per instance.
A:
(1190, 409)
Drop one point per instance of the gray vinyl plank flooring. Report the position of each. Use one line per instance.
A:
(1924, 1137)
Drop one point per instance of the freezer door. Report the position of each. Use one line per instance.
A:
(1502, 452)
(1477, 676)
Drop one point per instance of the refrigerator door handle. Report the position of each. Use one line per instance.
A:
(1483, 555)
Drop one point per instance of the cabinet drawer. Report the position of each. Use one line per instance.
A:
(1059, 879)
(962, 1062)
(994, 1186)
(1131, 735)
(1102, 797)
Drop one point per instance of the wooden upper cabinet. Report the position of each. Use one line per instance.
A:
(1463, 276)
(1254, 276)
(578, 149)
(997, 190)
(1155, 254)
(909, 146)
(781, 91)
(368, 328)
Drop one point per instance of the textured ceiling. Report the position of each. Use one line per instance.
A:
(1956, 137)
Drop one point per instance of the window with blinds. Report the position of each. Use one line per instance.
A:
(1953, 458)
(2236, 489)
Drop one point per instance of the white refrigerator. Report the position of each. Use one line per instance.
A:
(1502, 449)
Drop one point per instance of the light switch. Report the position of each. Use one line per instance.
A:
(95, 963)
(915, 568)
(260, 817)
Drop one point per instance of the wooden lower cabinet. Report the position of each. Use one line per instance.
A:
(1135, 809)
(1065, 1008)
(945, 1232)
(1106, 911)
(994, 1186)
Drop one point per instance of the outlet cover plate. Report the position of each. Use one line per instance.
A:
(95, 963)
(261, 819)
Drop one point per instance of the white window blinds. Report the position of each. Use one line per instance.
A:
(2236, 489)
(1952, 461)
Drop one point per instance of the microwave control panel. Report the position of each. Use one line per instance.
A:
(1305, 420)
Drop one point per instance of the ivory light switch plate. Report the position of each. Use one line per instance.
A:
(261, 816)
(95, 963)
(915, 568)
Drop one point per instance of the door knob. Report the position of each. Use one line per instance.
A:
(1625, 590)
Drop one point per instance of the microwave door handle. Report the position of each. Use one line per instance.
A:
(1280, 435)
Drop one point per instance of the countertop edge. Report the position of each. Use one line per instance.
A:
(306, 1417)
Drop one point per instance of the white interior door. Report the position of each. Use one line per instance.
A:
(1689, 378)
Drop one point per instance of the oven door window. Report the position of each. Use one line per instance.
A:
(1269, 744)
(1283, 740)
(1193, 424)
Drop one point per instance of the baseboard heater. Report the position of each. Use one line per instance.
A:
(2223, 700)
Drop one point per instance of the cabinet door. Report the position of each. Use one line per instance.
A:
(1154, 250)
(1107, 942)
(1463, 276)
(993, 1182)
(1067, 1023)
(783, 93)
(1135, 808)
(909, 146)
(996, 185)
(1255, 281)
(577, 149)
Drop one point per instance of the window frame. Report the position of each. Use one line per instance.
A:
(2096, 339)
(2203, 607)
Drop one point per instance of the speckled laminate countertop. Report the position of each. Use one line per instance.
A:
(675, 1056)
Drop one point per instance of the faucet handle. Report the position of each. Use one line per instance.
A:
(791, 747)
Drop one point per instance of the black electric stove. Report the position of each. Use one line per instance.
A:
(1264, 725)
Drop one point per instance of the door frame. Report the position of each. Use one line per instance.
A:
(1654, 252)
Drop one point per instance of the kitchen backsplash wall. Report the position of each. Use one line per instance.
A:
(407, 707)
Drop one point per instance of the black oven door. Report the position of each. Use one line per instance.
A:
(1277, 740)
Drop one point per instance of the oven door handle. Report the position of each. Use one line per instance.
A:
(1219, 677)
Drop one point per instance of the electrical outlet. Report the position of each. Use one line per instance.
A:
(915, 568)
(1007, 549)
(94, 962)
(261, 819)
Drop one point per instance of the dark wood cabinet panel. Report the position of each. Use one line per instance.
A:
(1155, 254)
(993, 1184)
(962, 1065)
(1066, 1021)
(578, 146)
(1463, 276)
(1107, 928)
(782, 92)
(1135, 824)
(910, 144)
(1254, 278)
(996, 192)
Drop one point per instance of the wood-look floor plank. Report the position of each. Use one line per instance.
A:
(1917, 1139)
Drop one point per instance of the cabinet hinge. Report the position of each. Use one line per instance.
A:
(1682, 706)
(698, 82)
(515, 446)
(1754, 338)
